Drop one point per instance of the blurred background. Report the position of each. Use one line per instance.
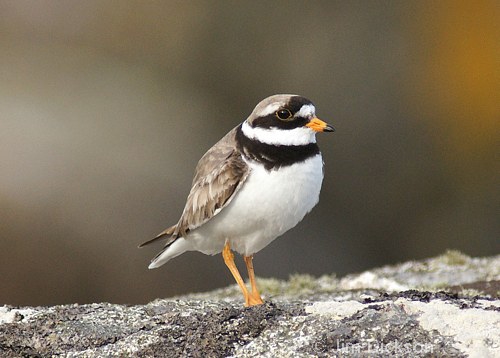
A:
(105, 108)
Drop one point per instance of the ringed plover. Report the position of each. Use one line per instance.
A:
(256, 183)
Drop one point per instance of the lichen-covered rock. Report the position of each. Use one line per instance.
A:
(446, 306)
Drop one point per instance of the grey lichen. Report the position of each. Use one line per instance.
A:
(358, 315)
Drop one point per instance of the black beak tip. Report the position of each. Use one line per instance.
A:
(329, 128)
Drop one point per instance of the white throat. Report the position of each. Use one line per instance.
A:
(276, 136)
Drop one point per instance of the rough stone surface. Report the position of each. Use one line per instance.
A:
(444, 306)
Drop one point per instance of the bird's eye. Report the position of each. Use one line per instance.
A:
(284, 114)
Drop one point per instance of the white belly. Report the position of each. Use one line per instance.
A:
(268, 204)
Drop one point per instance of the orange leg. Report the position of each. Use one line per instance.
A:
(229, 261)
(254, 297)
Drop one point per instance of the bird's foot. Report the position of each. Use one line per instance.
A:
(253, 299)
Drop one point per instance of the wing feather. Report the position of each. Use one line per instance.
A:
(218, 176)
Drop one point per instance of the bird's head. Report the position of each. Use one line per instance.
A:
(285, 119)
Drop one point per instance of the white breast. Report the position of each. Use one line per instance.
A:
(268, 204)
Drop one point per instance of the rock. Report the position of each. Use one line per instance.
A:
(444, 306)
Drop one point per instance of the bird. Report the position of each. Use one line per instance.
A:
(252, 186)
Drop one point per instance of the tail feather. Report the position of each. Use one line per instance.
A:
(174, 246)
(171, 250)
(161, 235)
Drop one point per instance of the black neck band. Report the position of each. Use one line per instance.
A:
(274, 156)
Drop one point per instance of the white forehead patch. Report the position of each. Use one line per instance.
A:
(306, 111)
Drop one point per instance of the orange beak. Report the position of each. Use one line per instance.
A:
(318, 125)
